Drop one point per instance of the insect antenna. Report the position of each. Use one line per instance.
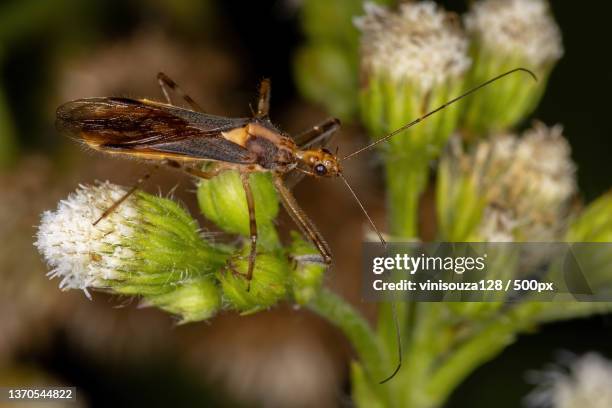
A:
(395, 132)
(428, 114)
(393, 308)
(382, 240)
(398, 338)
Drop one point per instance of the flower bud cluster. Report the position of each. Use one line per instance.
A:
(151, 247)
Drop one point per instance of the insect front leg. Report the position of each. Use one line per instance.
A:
(244, 176)
(303, 222)
(164, 80)
(318, 135)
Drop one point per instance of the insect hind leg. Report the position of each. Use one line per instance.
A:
(165, 81)
(304, 223)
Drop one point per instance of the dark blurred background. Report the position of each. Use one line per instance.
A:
(218, 51)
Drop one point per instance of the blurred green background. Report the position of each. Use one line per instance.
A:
(53, 51)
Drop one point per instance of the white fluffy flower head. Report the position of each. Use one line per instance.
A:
(528, 181)
(587, 384)
(497, 225)
(420, 42)
(81, 254)
(517, 27)
(547, 155)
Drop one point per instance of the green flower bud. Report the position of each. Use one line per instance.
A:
(459, 204)
(194, 300)
(223, 201)
(594, 224)
(412, 62)
(326, 68)
(507, 34)
(306, 275)
(268, 286)
(149, 246)
(592, 263)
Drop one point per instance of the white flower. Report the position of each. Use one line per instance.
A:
(420, 42)
(586, 383)
(81, 254)
(517, 27)
(527, 182)
(547, 154)
(497, 225)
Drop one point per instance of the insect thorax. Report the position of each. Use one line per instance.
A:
(273, 151)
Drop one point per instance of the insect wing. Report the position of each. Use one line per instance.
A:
(150, 128)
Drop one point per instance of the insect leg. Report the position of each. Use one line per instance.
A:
(131, 191)
(303, 222)
(318, 135)
(263, 104)
(244, 176)
(164, 80)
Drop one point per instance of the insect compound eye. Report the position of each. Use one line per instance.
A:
(320, 170)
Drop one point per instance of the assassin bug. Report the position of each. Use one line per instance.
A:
(186, 139)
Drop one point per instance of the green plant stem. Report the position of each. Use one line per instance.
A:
(490, 340)
(367, 346)
(475, 352)
(406, 181)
